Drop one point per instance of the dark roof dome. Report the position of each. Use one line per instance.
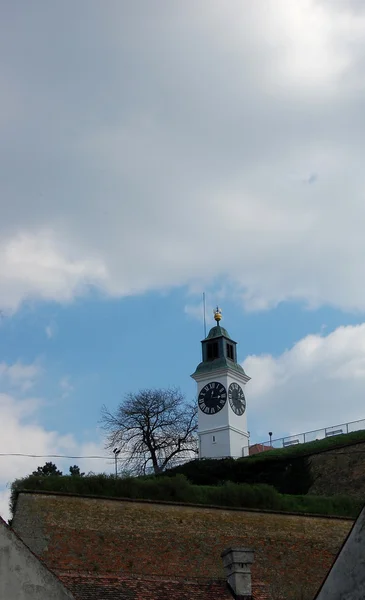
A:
(217, 331)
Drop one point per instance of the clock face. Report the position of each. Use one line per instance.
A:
(212, 398)
(237, 399)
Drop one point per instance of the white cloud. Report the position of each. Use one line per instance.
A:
(51, 330)
(19, 375)
(195, 311)
(310, 42)
(175, 168)
(35, 262)
(66, 386)
(21, 432)
(4, 504)
(318, 382)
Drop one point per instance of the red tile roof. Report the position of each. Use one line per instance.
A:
(257, 448)
(94, 587)
(128, 587)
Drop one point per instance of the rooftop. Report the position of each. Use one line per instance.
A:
(217, 331)
(219, 363)
(100, 587)
(76, 535)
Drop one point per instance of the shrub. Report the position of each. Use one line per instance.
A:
(179, 489)
(287, 476)
(287, 469)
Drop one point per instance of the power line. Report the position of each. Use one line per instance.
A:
(95, 456)
(4, 454)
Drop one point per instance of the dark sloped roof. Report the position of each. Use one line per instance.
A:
(217, 331)
(128, 587)
(218, 363)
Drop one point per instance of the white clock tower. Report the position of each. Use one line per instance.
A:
(222, 421)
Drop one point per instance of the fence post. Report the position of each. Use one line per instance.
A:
(304, 437)
(347, 427)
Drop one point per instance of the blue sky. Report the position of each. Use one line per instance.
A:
(148, 155)
(96, 350)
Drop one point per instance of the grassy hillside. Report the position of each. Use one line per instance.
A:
(290, 470)
(345, 439)
(324, 477)
(179, 489)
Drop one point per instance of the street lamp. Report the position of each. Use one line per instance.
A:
(270, 435)
(116, 452)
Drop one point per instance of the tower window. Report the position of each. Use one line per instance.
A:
(212, 350)
(230, 351)
(213, 439)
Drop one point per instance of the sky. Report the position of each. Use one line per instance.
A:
(150, 152)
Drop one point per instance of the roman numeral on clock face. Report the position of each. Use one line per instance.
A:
(237, 400)
(212, 398)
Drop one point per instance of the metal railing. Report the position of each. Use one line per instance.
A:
(311, 436)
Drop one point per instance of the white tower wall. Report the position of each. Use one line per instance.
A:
(224, 433)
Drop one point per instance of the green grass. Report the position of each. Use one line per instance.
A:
(309, 448)
(275, 480)
(287, 469)
(179, 489)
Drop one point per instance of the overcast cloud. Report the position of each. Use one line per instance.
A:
(147, 146)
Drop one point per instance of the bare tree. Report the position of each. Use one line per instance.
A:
(152, 428)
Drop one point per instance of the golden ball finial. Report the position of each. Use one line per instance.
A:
(217, 314)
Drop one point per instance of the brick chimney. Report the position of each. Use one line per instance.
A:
(237, 566)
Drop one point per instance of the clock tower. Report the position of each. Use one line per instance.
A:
(222, 422)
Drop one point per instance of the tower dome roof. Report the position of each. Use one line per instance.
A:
(217, 331)
(218, 351)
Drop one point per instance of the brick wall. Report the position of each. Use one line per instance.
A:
(292, 553)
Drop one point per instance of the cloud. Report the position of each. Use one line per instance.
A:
(66, 386)
(311, 179)
(195, 310)
(21, 432)
(317, 383)
(37, 263)
(4, 504)
(166, 163)
(19, 375)
(51, 330)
